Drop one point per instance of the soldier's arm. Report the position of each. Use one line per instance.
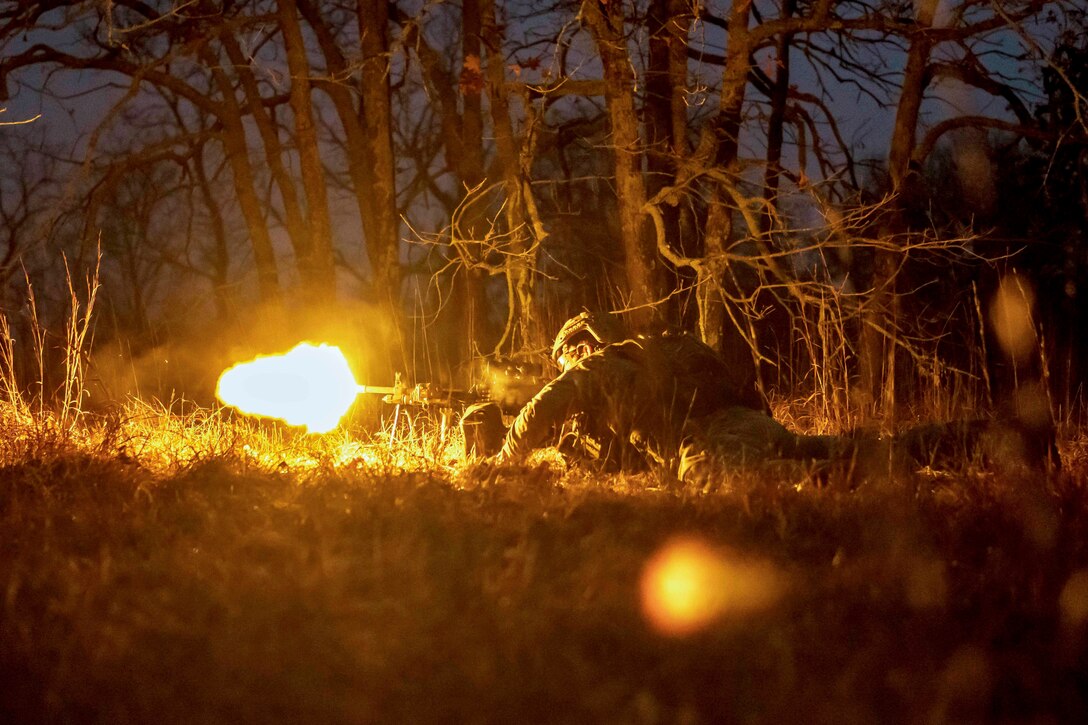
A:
(538, 422)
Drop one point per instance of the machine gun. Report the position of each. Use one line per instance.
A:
(507, 382)
(420, 395)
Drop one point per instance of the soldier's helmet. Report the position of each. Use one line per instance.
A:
(604, 329)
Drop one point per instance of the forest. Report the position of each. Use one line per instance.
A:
(874, 211)
(830, 193)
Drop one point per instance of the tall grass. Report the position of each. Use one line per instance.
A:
(43, 406)
(44, 389)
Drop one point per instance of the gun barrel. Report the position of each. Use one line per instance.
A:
(420, 395)
(377, 389)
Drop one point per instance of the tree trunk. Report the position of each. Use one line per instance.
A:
(878, 339)
(316, 271)
(666, 127)
(377, 123)
(776, 123)
(643, 273)
(719, 145)
(911, 95)
(359, 161)
(273, 149)
(237, 152)
(519, 261)
(219, 258)
(467, 153)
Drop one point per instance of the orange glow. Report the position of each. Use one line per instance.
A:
(1011, 317)
(1074, 599)
(688, 584)
(310, 385)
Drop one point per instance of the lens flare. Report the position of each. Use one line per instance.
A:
(1011, 317)
(310, 385)
(689, 584)
(1074, 599)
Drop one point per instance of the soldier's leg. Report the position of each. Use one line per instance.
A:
(958, 444)
(736, 438)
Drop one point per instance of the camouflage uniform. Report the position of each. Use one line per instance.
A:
(671, 400)
(666, 399)
(737, 437)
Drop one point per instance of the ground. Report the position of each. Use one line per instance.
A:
(228, 592)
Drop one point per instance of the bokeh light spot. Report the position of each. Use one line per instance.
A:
(688, 584)
(1074, 599)
(1011, 317)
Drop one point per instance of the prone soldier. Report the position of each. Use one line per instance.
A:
(626, 403)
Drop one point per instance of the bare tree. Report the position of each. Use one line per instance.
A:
(713, 142)
(644, 278)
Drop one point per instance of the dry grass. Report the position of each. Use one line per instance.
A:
(168, 563)
(173, 565)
